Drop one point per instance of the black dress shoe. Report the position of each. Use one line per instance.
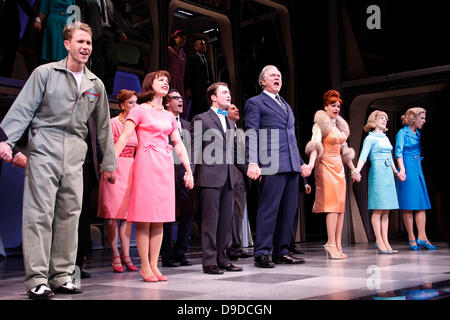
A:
(68, 288)
(170, 264)
(244, 254)
(212, 270)
(185, 262)
(40, 292)
(287, 259)
(263, 262)
(230, 267)
(84, 274)
(295, 250)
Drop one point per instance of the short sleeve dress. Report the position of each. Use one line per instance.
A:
(153, 186)
(382, 193)
(412, 193)
(114, 197)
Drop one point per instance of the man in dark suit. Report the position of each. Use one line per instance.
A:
(212, 170)
(91, 179)
(107, 28)
(198, 77)
(272, 126)
(174, 255)
(235, 250)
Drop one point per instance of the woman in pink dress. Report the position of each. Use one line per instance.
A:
(152, 199)
(114, 198)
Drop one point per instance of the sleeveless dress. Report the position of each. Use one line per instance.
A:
(153, 187)
(330, 175)
(382, 192)
(114, 198)
(412, 193)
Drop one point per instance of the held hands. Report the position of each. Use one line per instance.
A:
(110, 176)
(188, 180)
(5, 152)
(19, 160)
(356, 176)
(253, 171)
(401, 175)
(306, 170)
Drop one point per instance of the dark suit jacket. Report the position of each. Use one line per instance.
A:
(262, 112)
(179, 168)
(196, 80)
(212, 175)
(91, 14)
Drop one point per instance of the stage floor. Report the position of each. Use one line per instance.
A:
(408, 275)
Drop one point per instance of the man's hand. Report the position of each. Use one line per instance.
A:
(19, 160)
(253, 171)
(5, 152)
(110, 176)
(307, 189)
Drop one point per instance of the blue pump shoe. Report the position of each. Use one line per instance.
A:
(427, 244)
(413, 245)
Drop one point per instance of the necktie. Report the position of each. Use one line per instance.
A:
(220, 111)
(282, 105)
(179, 124)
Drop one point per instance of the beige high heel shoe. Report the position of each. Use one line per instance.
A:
(339, 247)
(328, 251)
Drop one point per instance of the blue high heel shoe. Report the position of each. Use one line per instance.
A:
(414, 246)
(426, 244)
(380, 251)
(392, 251)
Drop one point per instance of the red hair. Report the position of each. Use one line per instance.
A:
(147, 85)
(330, 97)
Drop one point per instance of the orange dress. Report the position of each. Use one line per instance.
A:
(330, 175)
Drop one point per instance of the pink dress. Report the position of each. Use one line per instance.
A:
(114, 198)
(153, 187)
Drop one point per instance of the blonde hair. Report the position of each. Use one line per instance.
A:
(371, 121)
(76, 25)
(411, 114)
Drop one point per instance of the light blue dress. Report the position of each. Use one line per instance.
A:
(412, 193)
(382, 193)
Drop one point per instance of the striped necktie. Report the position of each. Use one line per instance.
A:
(282, 105)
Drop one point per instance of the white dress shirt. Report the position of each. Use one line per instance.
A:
(222, 119)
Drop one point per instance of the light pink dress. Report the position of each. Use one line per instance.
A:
(153, 187)
(114, 198)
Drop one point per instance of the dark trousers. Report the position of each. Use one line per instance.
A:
(216, 211)
(240, 197)
(88, 210)
(185, 206)
(8, 47)
(277, 206)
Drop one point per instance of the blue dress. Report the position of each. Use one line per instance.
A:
(382, 194)
(53, 44)
(412, 193)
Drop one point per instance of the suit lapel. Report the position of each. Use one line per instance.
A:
(272, 104)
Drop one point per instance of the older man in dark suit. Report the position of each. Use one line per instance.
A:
(212, 168)
(273, 151)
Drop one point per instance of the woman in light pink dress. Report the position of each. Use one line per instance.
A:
(152, 199)
(114, 198)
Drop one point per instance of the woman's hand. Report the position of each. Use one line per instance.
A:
(188, 180)
(306, 170)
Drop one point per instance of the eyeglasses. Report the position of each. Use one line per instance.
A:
(176, 97)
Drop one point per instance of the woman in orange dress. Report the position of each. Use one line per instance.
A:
(327, 152)
(114, 198)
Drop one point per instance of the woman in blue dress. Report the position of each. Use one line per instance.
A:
(56, 15)
(412, 193)
(382, 194)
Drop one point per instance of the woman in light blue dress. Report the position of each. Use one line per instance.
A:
(382, 193)
(412, 193)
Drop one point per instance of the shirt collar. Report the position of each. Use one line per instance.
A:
(270, 94)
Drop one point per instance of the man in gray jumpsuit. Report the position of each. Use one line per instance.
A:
(56, 103)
